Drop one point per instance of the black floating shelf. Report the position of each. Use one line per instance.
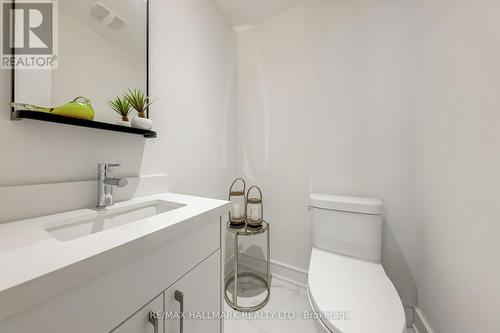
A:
(53, 118)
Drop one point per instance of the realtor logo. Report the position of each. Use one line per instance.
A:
(29, 34)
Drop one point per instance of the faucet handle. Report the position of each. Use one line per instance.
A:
(104, 166)
(120, 182)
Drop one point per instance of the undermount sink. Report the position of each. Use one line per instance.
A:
(111, 218)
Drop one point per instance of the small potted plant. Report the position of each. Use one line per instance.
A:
(123, 108)
(140, 103)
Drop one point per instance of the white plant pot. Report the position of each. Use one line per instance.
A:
(123, 123)
(142, 123)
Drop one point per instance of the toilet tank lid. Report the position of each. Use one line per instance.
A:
(347, 204)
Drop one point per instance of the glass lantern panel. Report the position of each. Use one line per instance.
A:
(237, 209)
(254, 212)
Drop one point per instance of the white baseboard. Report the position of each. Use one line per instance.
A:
(421, 324)
(289, 273)
(409, 314)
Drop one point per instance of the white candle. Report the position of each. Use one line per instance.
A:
(254, 214)
(236, 211)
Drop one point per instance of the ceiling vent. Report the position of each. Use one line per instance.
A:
(117, 23)
(106, 16)
(99, 11)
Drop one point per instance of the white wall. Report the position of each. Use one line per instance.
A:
(326, 104)
(251, 12)
(192, 80)
(458, 165)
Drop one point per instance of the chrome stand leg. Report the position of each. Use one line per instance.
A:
(268, 258)
(235, 292)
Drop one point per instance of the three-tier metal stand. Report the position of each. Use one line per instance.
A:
(266, 280)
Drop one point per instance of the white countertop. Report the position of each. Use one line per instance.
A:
(30, 257)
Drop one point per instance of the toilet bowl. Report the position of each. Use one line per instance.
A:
(348, 288)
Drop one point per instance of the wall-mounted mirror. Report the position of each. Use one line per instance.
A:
(102, 52)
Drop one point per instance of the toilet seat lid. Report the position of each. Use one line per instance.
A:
(340, 286)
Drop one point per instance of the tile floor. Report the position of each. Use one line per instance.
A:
(286, 298)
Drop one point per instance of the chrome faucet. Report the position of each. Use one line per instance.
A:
(105, 185)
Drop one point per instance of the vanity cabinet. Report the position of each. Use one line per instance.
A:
(184, 257)
(197, 295)
(140, 323)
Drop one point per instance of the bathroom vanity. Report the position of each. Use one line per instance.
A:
(107, 271)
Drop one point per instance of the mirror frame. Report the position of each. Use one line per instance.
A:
(148, 65)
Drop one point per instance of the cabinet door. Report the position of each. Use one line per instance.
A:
(199, 294)
(140, 322)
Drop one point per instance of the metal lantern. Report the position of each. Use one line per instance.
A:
(237, 213)
(254, 208)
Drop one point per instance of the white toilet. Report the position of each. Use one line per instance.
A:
(347, 286)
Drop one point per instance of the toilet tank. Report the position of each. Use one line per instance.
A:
(351, 226)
